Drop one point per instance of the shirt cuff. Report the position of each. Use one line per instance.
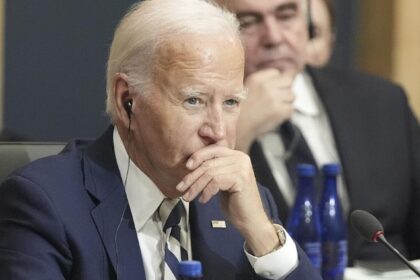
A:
(277, 264)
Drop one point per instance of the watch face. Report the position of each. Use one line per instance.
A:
(282, 236)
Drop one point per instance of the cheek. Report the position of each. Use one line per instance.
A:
(299, 42)
(251, 46)
(156, 128)
(299, 35)
(251, 63)
(182, 134)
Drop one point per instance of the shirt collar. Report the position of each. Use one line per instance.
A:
(306, 100)
(143, 196)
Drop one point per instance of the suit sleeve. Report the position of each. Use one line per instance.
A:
(32, 240)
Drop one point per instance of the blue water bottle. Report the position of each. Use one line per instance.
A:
(334, 230)
(190, 270)
(304, 224)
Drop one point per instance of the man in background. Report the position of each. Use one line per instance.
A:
(163, 183)
(295, 114)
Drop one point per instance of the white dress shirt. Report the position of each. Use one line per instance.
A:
(144, 198)
(310, 117)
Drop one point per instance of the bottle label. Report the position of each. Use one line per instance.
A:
(313, 251)
(334, 260)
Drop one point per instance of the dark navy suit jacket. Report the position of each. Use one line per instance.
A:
(59, 218)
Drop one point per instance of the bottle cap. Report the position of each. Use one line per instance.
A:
(190, 268)
(307, 170)
(331, 169)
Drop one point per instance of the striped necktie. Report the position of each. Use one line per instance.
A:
(171, 212)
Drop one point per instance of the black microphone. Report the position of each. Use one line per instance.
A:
(371, 229)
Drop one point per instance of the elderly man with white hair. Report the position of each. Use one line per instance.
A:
(163, 183)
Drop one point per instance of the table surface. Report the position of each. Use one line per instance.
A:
(381, 270)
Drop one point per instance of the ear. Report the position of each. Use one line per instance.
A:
(122, 96)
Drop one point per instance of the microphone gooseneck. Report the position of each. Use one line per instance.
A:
(371, 229)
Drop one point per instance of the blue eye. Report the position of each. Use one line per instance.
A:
(192, 101)
(231, 102)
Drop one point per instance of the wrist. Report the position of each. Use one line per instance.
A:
(264, 239)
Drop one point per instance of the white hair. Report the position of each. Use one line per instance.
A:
(154, 22)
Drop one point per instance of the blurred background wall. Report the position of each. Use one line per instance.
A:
(53, 55)
(1, 61)
(388, 42)
(54, 77)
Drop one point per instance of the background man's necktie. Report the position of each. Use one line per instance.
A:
(171, 212)
(296, 152)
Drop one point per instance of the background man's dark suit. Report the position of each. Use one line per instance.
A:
(59, 218)
(378, 141)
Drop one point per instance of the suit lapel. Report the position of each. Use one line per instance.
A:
(265, 177)
(219, 249)
(350, 133)
(112, 215)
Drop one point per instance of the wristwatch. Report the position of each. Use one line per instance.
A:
(281, 233)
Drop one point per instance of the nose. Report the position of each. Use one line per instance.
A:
(213, 129)
(272, 33)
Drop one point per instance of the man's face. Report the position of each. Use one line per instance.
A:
(194, 102)
(274, 33)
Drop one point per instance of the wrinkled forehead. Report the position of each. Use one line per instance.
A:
(198, 51)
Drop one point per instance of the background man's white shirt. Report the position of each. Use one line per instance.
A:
(311, 118)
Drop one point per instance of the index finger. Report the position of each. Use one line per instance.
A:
(207, 153)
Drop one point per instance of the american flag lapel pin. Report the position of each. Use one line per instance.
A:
(218, 224)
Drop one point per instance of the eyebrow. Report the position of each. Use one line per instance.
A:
(287, 6)
(282, 7)
(189, 92)
(242, 94)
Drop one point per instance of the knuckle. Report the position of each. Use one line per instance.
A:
(193, 190)
(191, 177)
(209, 174)
(212, 187)
(206, 164)
(203, 181)
(187, 179)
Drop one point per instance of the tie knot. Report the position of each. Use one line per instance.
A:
(170, 212)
